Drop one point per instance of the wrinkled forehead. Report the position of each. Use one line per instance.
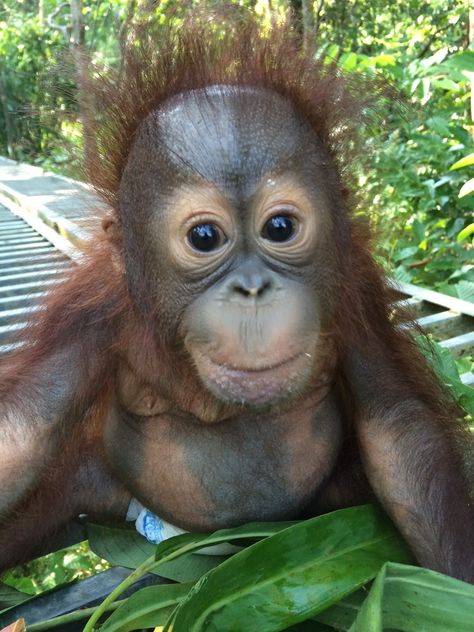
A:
(229, 135)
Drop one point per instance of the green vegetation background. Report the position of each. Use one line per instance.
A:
(420, 206)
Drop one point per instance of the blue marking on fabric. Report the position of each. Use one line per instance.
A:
(152, 528)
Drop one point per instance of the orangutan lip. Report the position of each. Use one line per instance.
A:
(264, 369)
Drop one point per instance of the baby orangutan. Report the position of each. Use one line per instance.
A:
(225, 352)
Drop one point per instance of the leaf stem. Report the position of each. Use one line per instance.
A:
(70, 617)
(135, 575)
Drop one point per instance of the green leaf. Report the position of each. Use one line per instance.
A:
(465, 232)
(403, 275)
(343, 613)
(426, 90)
(467, 188)
(446, 84)
(461, 61)
(384, 60)
(467, 161)
(440, 358)
(419, 230)
(445, 367)
(177, 547)
(439, 125)
(436, 58)
(410, 599)
(196, 541)
(10, 596)
(348, 61)
(406, 253)
(465, 290)
(292, 575)
(147, 608)
(126, 547)
(332, 52)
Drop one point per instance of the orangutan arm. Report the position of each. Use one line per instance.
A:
(413, 459)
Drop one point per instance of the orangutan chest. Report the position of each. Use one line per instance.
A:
(207, 477)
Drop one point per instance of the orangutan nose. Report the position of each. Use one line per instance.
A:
(251, 280)
(254, 289)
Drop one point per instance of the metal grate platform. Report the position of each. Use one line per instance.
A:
(29, 266)
(449, 320)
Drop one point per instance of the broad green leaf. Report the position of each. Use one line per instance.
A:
(465, 232)
(419, 230)
(126, 547)
(439, 125)
(423, 245)
(147, 608)
(411, 599)
(343, 613)
(436, 58)
(385, 60)
(195, 541)
(467, 161)
(465, 290)
(292, 575)
(414, 85)
(348, 61)
(10, 596)
(426, 86)
(332, 52)
(406, 253)
(467, 188)
(461, 61)
(446, 84)
(443, 180)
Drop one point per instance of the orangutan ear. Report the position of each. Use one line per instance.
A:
(113, 235)
(111, 229)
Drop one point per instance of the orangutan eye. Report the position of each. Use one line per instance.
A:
(206, 237)
(279, 228)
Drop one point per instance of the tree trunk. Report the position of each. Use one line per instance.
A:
(77, 26)
(41, 12)
(124, 30)
(308, 21)
(76, 44)
(317, 17)
(9, 132)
